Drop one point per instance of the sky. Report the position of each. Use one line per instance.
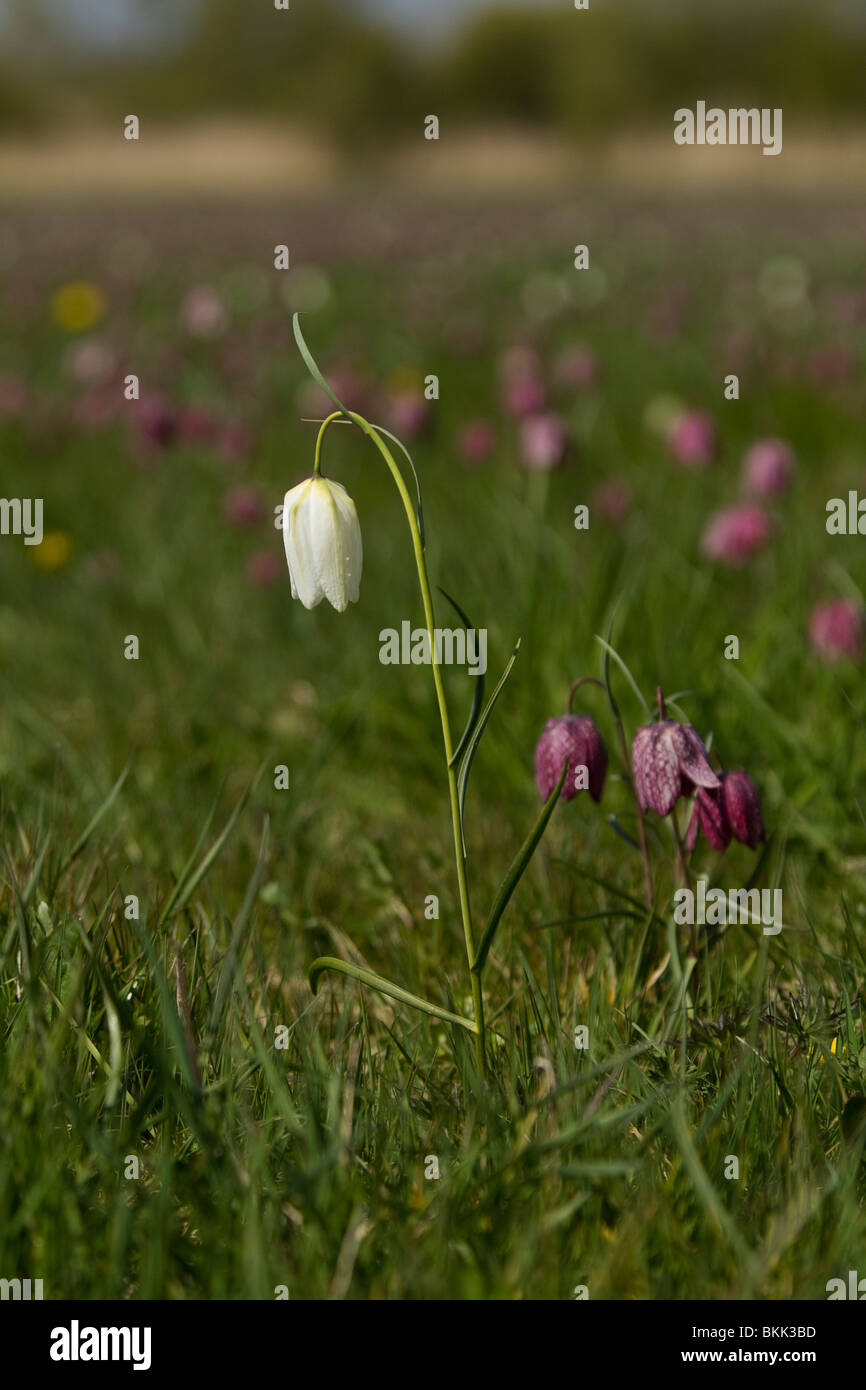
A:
(112, 25)
(117, 24)
(431, 16)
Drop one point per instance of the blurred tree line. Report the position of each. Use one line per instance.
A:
(580, 73)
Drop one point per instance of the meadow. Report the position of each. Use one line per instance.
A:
(283, 1140)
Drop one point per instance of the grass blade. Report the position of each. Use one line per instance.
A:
(517, 870)
(103, 810)
(367, 977)
(474, 741)
(189, 881)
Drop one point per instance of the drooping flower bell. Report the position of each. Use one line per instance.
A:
(322, 537)
(731, 810)
(669, 758)
(574, 737)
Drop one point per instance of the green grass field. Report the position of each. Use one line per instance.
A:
(304, 1165)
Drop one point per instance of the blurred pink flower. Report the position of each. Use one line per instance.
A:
(408, 413)
(203, 313)
(612, 500)
(543, 440)
(91, 361)
(265, 568)
(155, 422)
(692, 439)
(243, 506)
(733, 535)
(577, 367)
(768, 467)
(524, 395)
(836, 629)
(476, 440)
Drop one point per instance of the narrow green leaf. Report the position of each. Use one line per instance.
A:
(626, 672)
(393, 991)
(517, 870)
(605, 665)
(176, 1035)
(419, 509)
(478, 697)
(315, 373)
(106, 806)
(622, 832)
(233, 954)
(115, 1052)
(615, 912)
(312, 366)
(475, 739)
(190, 880)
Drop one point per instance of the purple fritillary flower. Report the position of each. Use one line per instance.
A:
(836, 629)
(664, 754)
(731, 810)
(692, 439)
(743, 808)
(708, 814)
(575, 737)
(768, 467)
(734, 534)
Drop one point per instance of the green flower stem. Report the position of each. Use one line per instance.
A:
(626, 763)
(317, 462)
(424, 582)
